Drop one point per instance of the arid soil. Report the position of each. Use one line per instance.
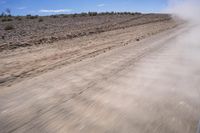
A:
(34, 47)
(150, 86)
(136, 73)
(28, 32)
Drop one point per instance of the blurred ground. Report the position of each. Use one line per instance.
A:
(143, 80)
(19, 61)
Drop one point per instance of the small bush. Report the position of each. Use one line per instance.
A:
(31, 17)
(28, 15)
(83, 14)
(54, 16)
(9, 27)
(92, 13)
(136, 13)
(40, 20)
(74, 15)
(67, 15)
(18, 18)
(137, 39)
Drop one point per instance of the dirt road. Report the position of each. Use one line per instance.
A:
(22, 63)
(151, 86)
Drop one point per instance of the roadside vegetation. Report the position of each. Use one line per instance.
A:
(83, 14)
(6, 15)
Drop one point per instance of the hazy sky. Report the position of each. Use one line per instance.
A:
(45, 7)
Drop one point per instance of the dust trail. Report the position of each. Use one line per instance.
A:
(188, 10)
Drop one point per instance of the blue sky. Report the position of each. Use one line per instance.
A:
(46, 7)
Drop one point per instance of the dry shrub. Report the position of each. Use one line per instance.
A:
(9, 27)
(40, 20)
(31, 17)
(18, 18)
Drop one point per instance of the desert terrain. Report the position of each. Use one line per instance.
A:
(99, 73)
(34, 47)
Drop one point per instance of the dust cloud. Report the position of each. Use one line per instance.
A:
(189, 11)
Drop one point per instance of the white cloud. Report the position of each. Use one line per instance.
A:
(55, 11)
(101, 5)
(21, 8)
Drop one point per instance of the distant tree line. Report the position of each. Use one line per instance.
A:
(7, 14)
(95, 14)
